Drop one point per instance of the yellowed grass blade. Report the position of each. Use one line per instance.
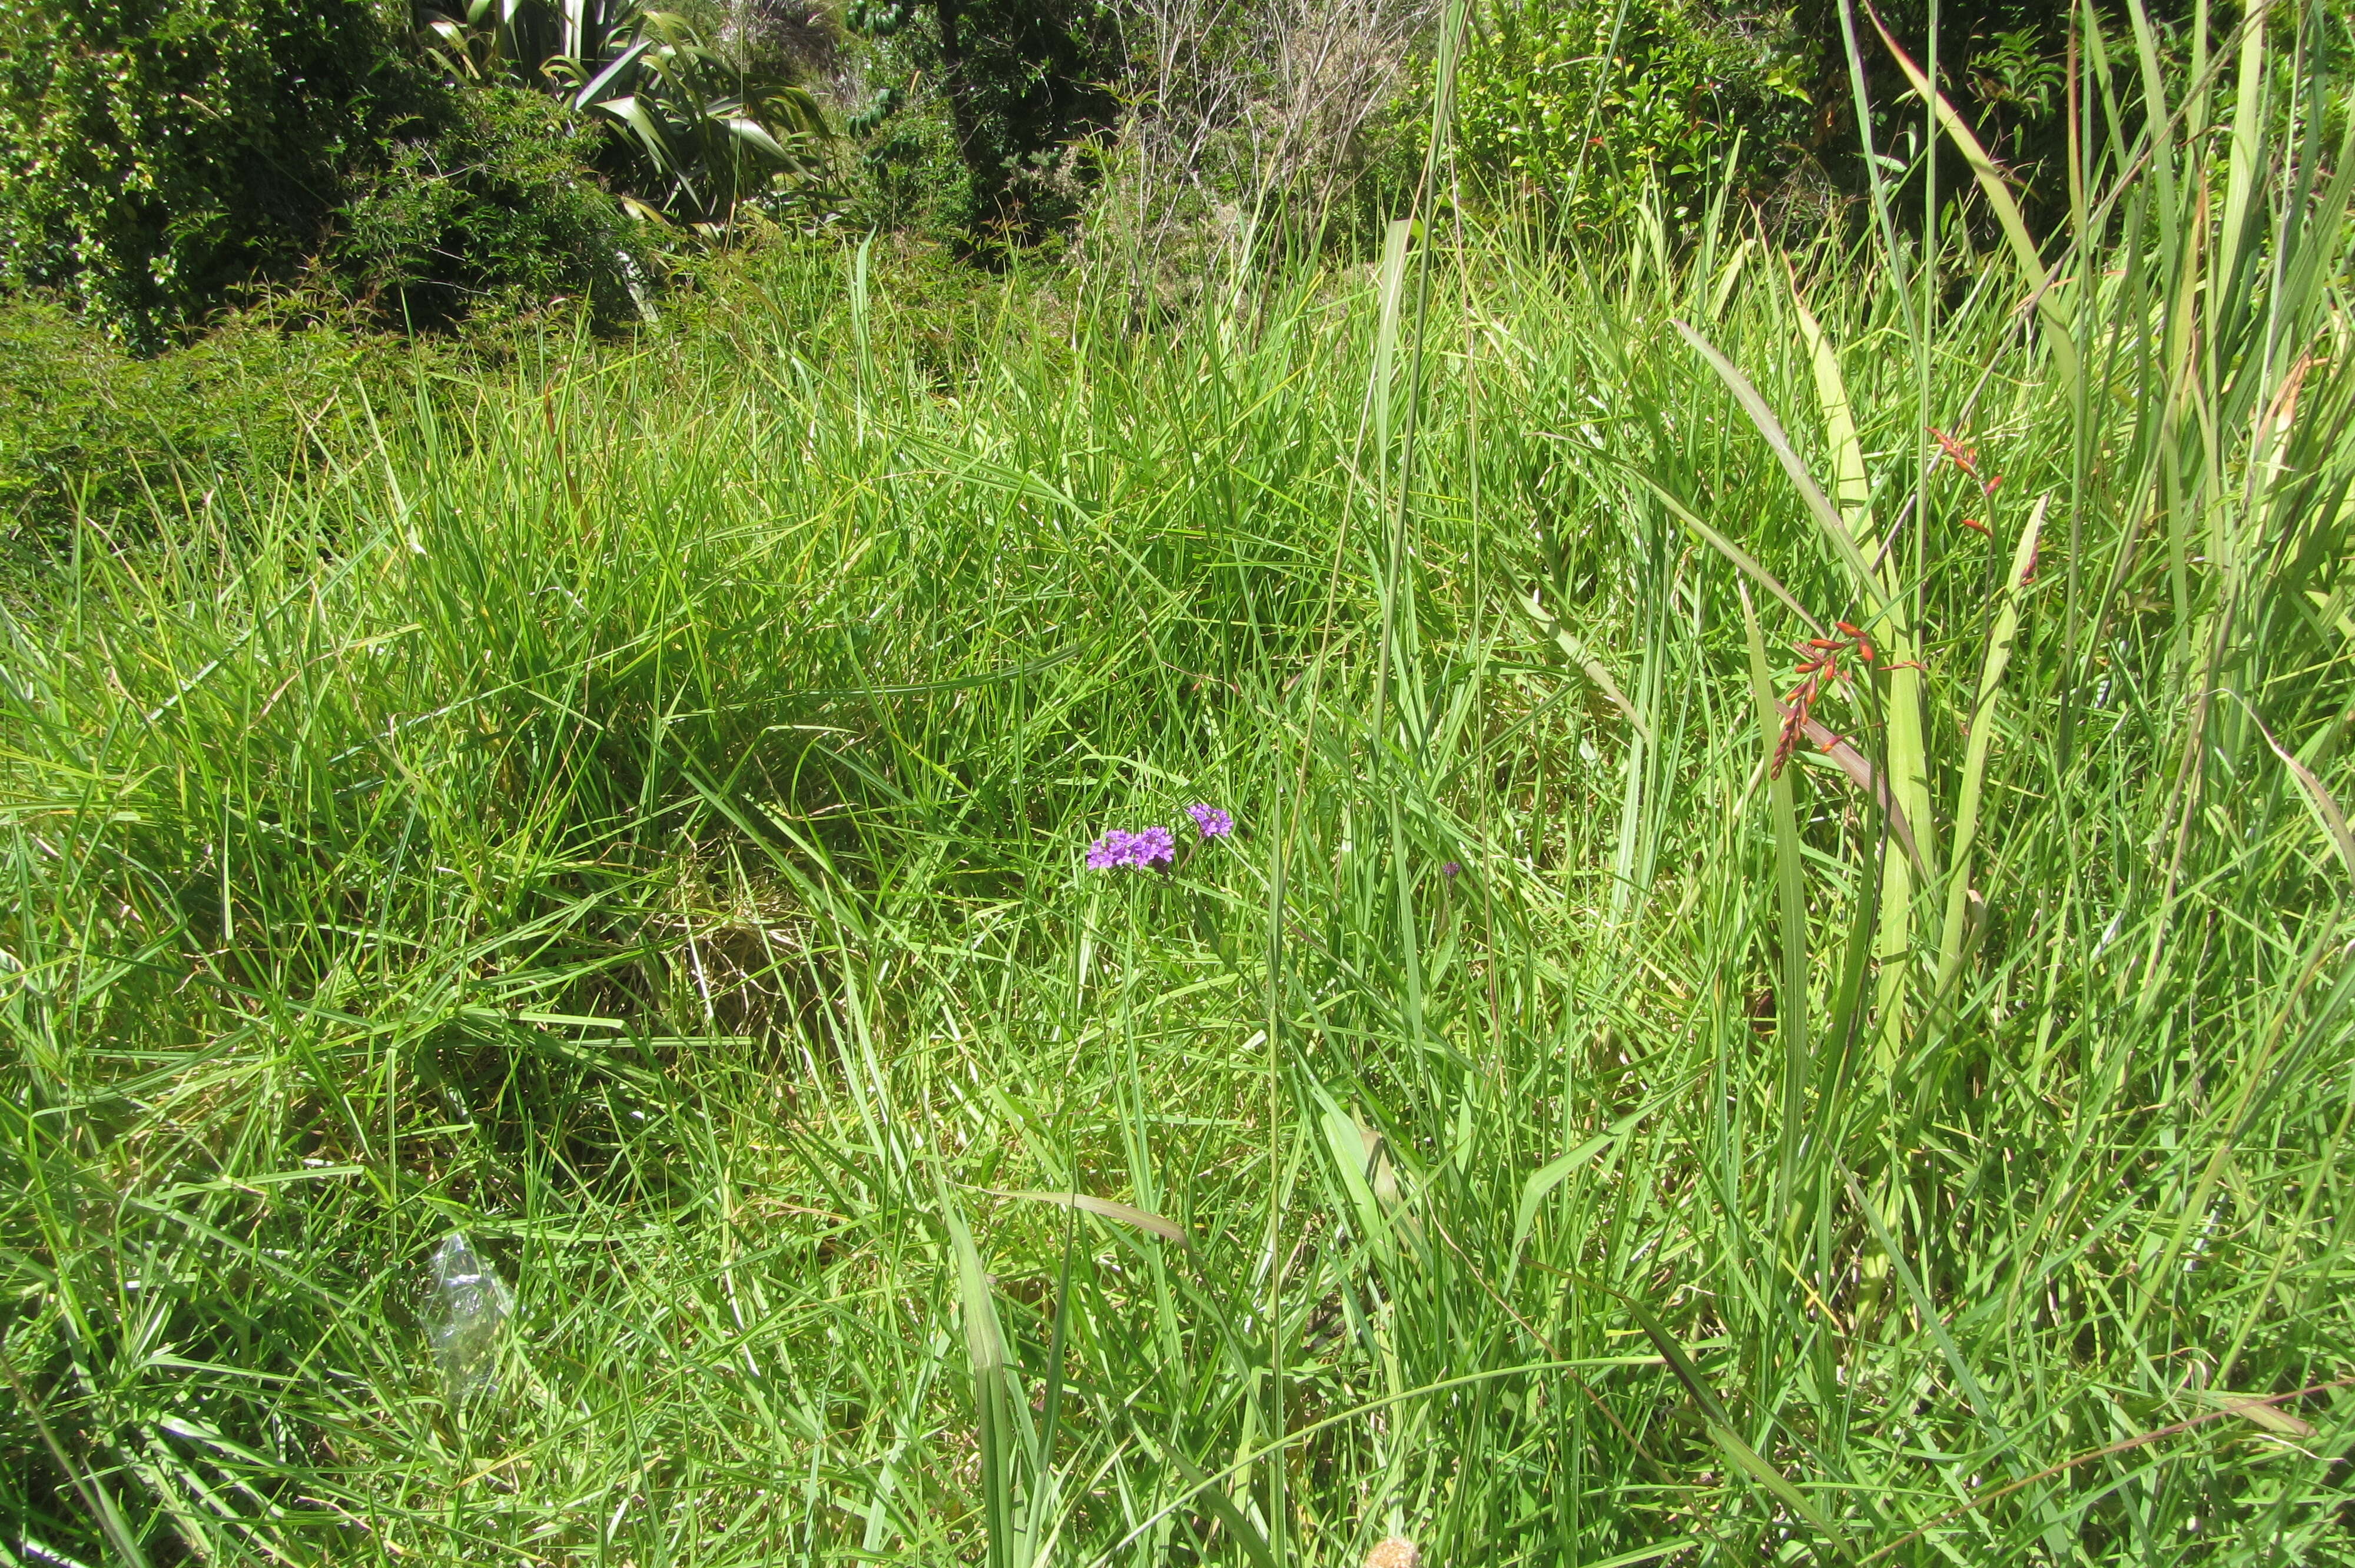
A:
(2318, 794)
(2274, 1420)
(1851, 485)
(1778, 441)
(2000, 639)
(1105, 1208)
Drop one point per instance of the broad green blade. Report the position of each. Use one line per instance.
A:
(1997, 659)
(1811, 495)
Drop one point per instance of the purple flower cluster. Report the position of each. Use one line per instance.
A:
(1154, 846)
(1214, 824)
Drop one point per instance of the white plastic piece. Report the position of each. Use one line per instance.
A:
(471, 1305)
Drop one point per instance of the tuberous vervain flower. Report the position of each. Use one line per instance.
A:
(1154, 846)
(1151, 847)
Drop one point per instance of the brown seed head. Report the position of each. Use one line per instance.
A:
(1397, 1551)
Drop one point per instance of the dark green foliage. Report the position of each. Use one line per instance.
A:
(691, 129)
(2004, 65)
(699, 131)
(154, 153)
(1018, 88)
(1026, 81)
(492, 199)
(160, 157)
(1570, 106)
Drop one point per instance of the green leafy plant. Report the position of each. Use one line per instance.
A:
(1572, 106)
(696, 130)
(496, 40)
(496, 199)
(708, 131)
(986, 111)
(157, 154)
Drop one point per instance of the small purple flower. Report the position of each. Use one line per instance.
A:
(1451, 871)
(1143, 851)
(1214, 824)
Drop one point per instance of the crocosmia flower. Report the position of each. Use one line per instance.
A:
(1214, 824)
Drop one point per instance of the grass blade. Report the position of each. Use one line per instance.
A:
(2059, 338)
(1104, 1208)
(1592, 667)
(1997, 659)
(1720, 1427)
(1811, 493)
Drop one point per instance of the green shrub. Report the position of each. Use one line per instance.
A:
(1572, 106)
(154, 153)
(983, 111)
(159, 157)
(491, 199)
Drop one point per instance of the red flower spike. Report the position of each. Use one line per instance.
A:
(1961, 456)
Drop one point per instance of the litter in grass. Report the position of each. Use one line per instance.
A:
(471, 1304)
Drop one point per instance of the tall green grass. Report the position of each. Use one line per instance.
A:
(639, 821)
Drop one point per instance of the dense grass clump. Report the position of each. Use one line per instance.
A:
(1583, 1114)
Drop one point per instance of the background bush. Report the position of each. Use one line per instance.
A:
(154, 153)
(1572, 106)
(492, 199)
(157, 158)
(89, 429)
(977, 116)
